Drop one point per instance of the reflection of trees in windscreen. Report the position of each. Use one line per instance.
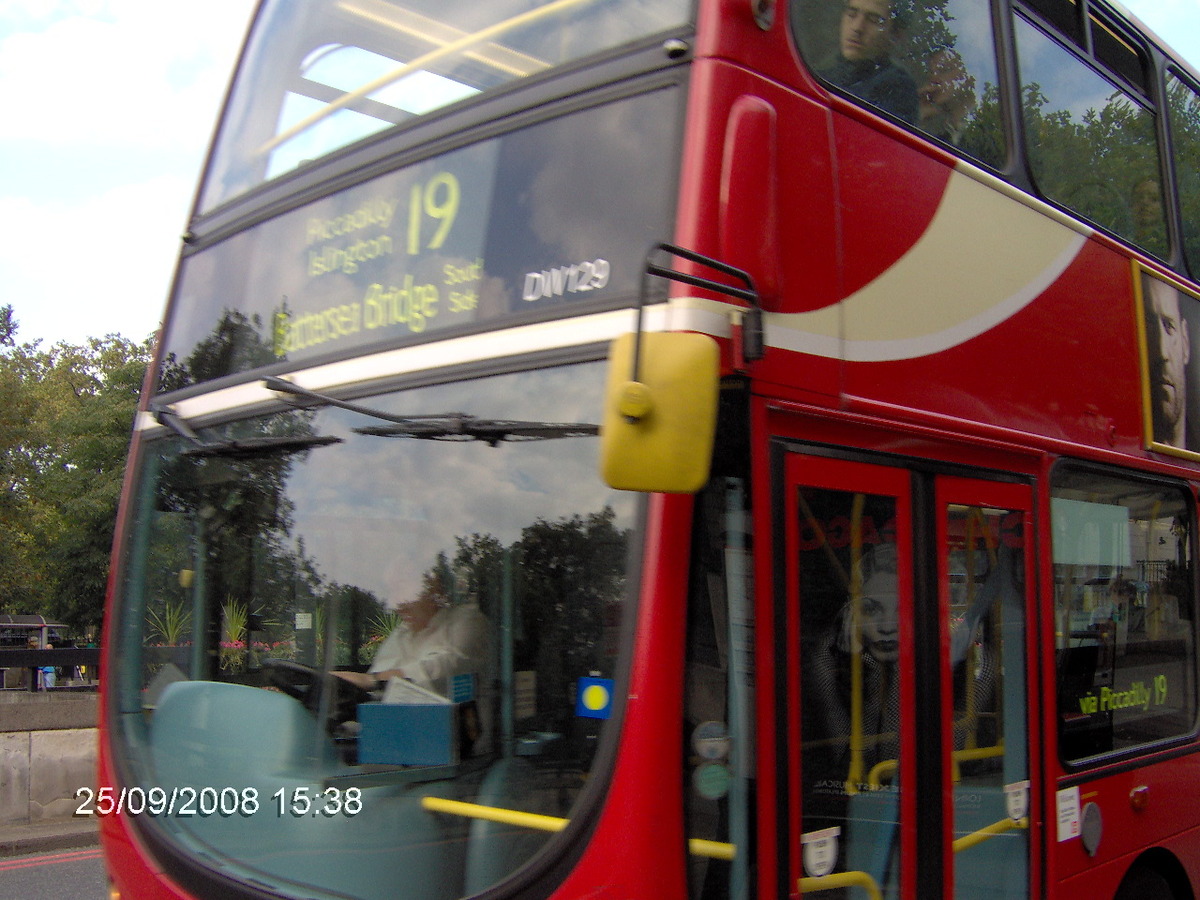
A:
(226, 520)
(566, 579)
(233, 523)
(235, 345)
(571, 580)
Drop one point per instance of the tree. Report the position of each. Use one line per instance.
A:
(23, 524)
(92, 394)
(66, 415)
(8, 326)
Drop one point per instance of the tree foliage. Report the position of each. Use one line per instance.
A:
(66, 414)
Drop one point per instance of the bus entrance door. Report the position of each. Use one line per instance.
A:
(906, 599)
(983, 558)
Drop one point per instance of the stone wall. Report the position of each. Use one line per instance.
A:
(47, 753)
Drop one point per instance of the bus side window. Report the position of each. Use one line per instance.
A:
(1184, 105)
(1092, 146)
(1125, 621)
(940, 54)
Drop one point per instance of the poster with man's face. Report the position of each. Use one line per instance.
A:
(1170, 330)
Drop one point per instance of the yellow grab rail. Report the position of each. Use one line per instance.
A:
(841, 880)
(494, 814)
(538, 822)
(888, 767)
(988, 832)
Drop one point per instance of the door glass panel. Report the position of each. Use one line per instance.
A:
(984, 584)
(851, 632)
(719, 700)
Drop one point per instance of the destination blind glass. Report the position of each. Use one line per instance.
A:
(562, 212)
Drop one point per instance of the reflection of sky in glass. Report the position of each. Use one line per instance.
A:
(350, 68)
(1068, 84)
(337, 130)
(971, 24)
(347, 69)
(375, 508)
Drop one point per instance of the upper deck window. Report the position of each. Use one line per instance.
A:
(320, 75)
(1184, 105)
(931, 64)
(1091, 143)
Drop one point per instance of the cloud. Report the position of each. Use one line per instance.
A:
(102, 264)
(127, 73)
(109, 107)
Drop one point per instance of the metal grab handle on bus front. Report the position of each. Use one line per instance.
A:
(751, 327)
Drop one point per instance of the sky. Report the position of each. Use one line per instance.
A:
(109, 108)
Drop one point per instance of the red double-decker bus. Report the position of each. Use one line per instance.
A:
(644, 448)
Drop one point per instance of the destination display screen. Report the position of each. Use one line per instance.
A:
(559, 213)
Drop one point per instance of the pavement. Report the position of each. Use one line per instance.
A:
(52, 834)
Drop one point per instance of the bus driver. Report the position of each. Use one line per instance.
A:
(434, 641)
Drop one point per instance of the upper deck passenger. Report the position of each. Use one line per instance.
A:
(869, 30)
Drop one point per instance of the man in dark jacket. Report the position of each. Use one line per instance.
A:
(869, 31)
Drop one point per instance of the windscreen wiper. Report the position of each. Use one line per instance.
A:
(281, 386)
(450, 426)
(270, 445)
(462, 427)
(245, 448)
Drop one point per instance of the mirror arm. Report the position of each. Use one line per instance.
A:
(750, 346)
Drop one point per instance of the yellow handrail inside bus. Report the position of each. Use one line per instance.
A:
(446, 50)
(882, 770)
(538, 822)
(887, 767)
(988, 832)
(841, 880)
(494, 814)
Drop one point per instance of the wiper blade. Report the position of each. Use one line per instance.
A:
(246, 448)
(177, 424)
(281, 386)
(461, 427)
(250, 448)
(447, 426)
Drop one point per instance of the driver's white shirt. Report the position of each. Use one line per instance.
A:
(453, 642)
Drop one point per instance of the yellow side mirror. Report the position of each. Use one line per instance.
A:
(658, 431)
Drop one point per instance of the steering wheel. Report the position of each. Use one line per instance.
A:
(309, 685)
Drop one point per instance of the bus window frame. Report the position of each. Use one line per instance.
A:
(1190, 81)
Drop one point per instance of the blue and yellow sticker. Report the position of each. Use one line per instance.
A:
(594, 698)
